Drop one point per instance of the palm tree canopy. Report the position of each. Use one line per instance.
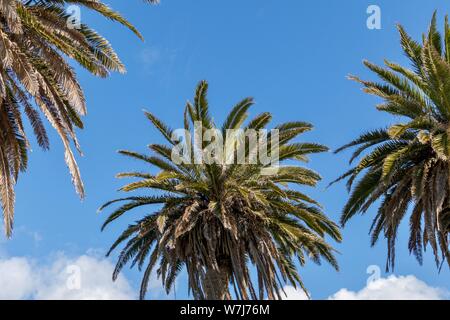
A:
(34, 36)
(213, 219)
(406, 166)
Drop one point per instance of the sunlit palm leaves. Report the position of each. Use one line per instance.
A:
(215, 220)
(34, 76)
(406, 166)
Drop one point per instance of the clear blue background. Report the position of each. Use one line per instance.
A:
(292, 56)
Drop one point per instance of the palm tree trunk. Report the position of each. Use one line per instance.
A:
(216, 284)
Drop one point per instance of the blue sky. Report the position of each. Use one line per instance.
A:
(291, 56)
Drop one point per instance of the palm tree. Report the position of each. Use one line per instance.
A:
(406, 166)
(214, 219)
(34, 36)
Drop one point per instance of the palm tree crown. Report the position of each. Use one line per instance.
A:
(33, 73)
(215, 218)
(406, 166)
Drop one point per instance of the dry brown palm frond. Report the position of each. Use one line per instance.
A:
(35, 38)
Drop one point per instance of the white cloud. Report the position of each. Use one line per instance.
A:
(83, 277)
(293, 293)
(16, 280)
(394, 288)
